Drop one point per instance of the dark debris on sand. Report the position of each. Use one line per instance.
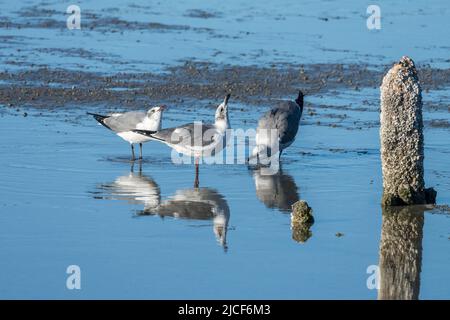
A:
(44, 87)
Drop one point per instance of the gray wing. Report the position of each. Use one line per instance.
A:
(285, 117)
(190, 134)
(126, 121)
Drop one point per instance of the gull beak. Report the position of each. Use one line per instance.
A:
(225, 101)
(162, 107)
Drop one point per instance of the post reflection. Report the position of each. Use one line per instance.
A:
(401, 253)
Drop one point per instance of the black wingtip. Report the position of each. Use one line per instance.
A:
(100, 118)
(147, 133)
(95, 114)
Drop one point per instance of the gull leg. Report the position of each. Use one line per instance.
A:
(140, 150)
(196, 182)
(132, 152)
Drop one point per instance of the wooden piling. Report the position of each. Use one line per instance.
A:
(401, 134)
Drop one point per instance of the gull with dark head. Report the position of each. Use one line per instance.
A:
(285, 119)
(196, 139)
(123, 125)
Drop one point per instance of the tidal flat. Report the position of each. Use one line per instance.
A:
(70, 196)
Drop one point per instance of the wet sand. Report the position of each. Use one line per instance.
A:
(52, 88)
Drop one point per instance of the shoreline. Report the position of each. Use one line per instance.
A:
(50, 88)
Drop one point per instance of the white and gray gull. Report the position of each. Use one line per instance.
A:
(196, 139)
(123, 125)
(285, 119)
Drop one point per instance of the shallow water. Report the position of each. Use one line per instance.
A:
(69, 197)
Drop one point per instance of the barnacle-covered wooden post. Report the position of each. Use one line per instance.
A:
(301, 221)
(401, 136)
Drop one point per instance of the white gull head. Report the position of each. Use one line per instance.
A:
(222, 122)
(154, 118)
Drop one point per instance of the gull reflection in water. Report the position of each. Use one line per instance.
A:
(277, 191)
(196, 203)
(135, 188)
(401, 253)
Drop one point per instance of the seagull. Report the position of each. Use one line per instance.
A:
(285, 118)
(195, 139)
(123, 125)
